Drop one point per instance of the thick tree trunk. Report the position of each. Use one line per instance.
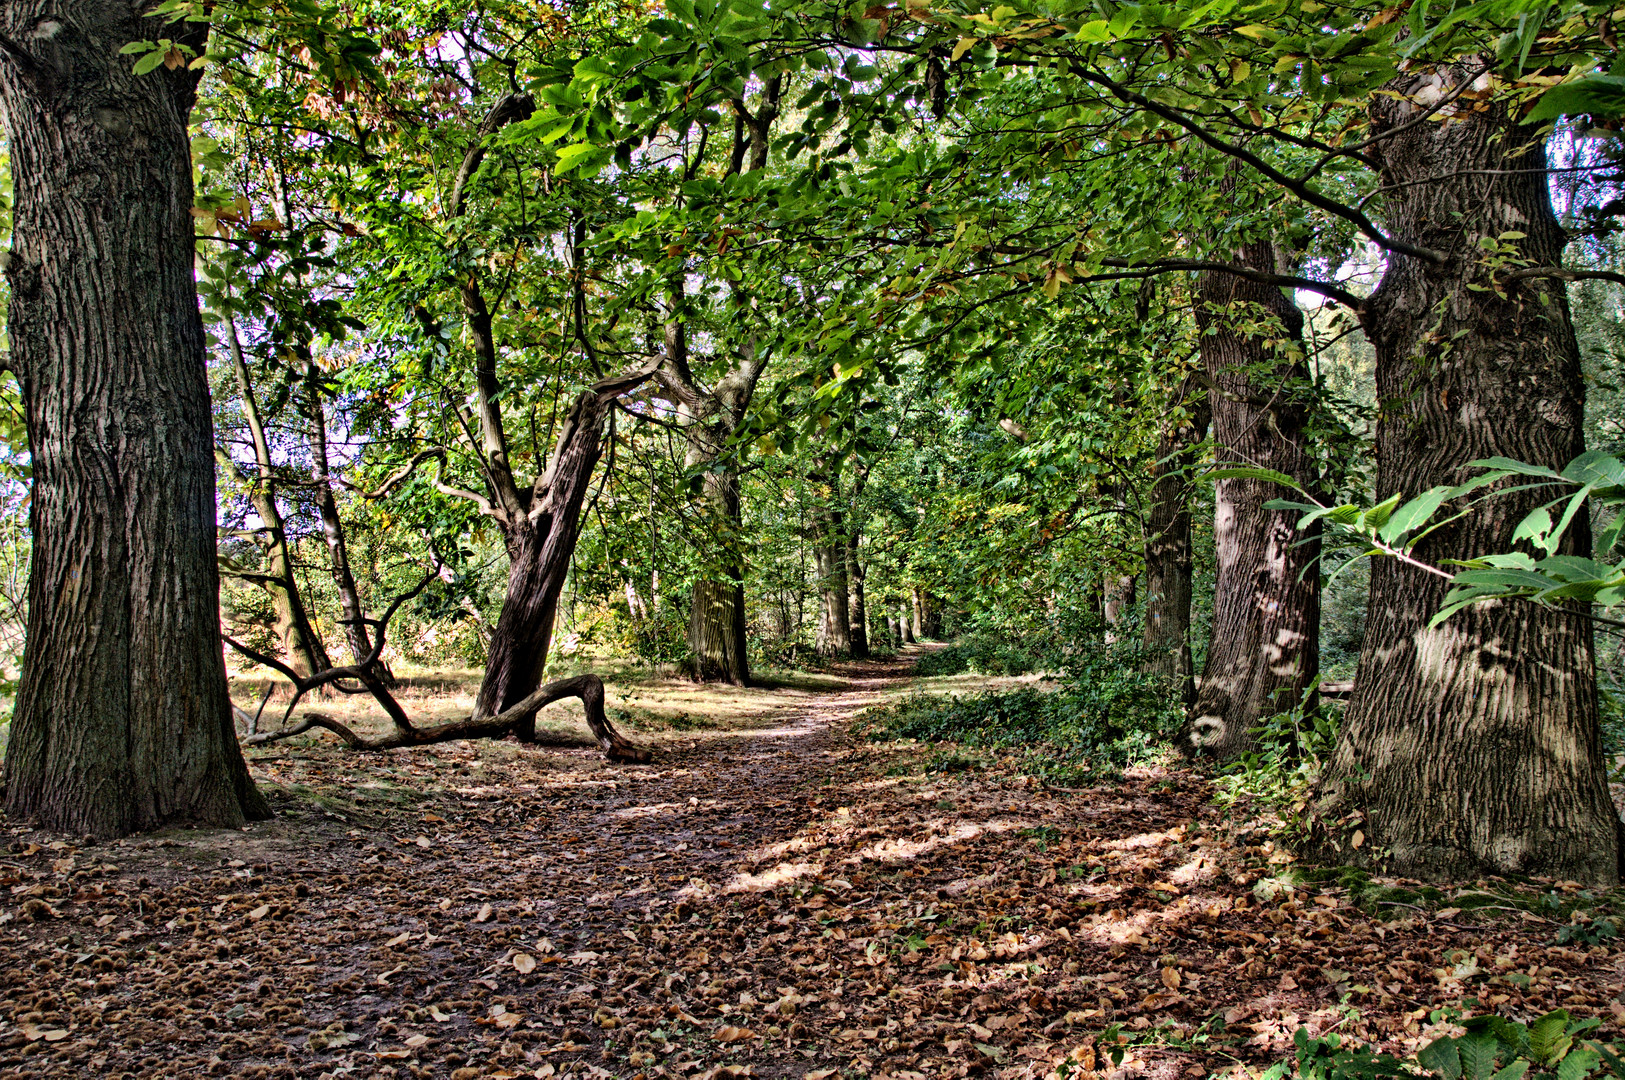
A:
(1265, 646)
(122, 720)
(1473, 747)
(906, 623)
(855, 603)
(834, 616)
(1167, 630)
(716, 626)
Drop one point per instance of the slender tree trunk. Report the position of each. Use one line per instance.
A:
(906, 622)
(1265, 647)
(300, 643)
(1473, 747)
(375, 676)
(1167, 630)
(122, 720)
(855, 605)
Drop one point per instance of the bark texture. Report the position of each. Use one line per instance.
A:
(829, 560)
(1265, 646)
(1167, 629)
(541, 539)
(1473, 747)
(122, 719)
(856, 606)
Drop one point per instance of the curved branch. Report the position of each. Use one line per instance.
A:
(1299, 188)
(512, 720)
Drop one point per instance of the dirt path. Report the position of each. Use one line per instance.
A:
(777, 901)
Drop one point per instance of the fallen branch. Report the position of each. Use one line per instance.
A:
(516, 719)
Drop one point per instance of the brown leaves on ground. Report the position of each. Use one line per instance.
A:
(779, 903)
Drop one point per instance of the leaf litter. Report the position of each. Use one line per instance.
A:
(788, 901)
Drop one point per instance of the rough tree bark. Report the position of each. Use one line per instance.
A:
(122, 720)
(856, 608)
(1265, 646)
(1121, 594)
(1167, 630)
(1473, 747)
(829, 560)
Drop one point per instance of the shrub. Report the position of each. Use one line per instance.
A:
(1493, 1047)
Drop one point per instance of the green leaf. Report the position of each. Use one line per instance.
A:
(1547, 1036)
(150, 61)
(1441, 1059)
(1413, 515)
(1245, 473)
(1601, 96)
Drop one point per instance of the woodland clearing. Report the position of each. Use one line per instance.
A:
(773, 897)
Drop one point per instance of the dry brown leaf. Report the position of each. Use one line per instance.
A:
(484, 914)
(260, 912)
(732, 1034)
(524, 963)
(416, 1041)
(1170, 978)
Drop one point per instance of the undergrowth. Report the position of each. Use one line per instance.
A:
(1104, 715)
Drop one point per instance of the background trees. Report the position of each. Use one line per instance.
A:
(724, 336)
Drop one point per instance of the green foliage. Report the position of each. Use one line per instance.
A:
(1492, 1048)
(1290, 750)
(1105, 716)
(983, 653)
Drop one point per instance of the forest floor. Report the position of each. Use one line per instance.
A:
(772, 897)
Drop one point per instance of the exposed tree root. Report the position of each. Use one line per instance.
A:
(518, 719)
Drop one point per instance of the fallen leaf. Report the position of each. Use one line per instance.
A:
(1170, 978)
(524, 963)
(484, 914)
(1358, 838)
(416, 1041)
(260, 912)
(734, 1034)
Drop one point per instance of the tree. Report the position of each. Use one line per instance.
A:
(122, 720)
(1497, 708)
(1264, 651)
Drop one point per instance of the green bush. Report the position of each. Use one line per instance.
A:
(1104, 716)
(1493, 1048)
(983, 653)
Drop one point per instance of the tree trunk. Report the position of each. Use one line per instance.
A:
(906, 622)
(855, 606)
(1473, 747)
(300, 642)
(1167, 630)
(374, 676)
(539, 548)
(1265, 646)
(122, 720)
(716, 626)
(1120, 597)
(829, 557)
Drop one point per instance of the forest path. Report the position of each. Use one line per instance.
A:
(781, 899)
